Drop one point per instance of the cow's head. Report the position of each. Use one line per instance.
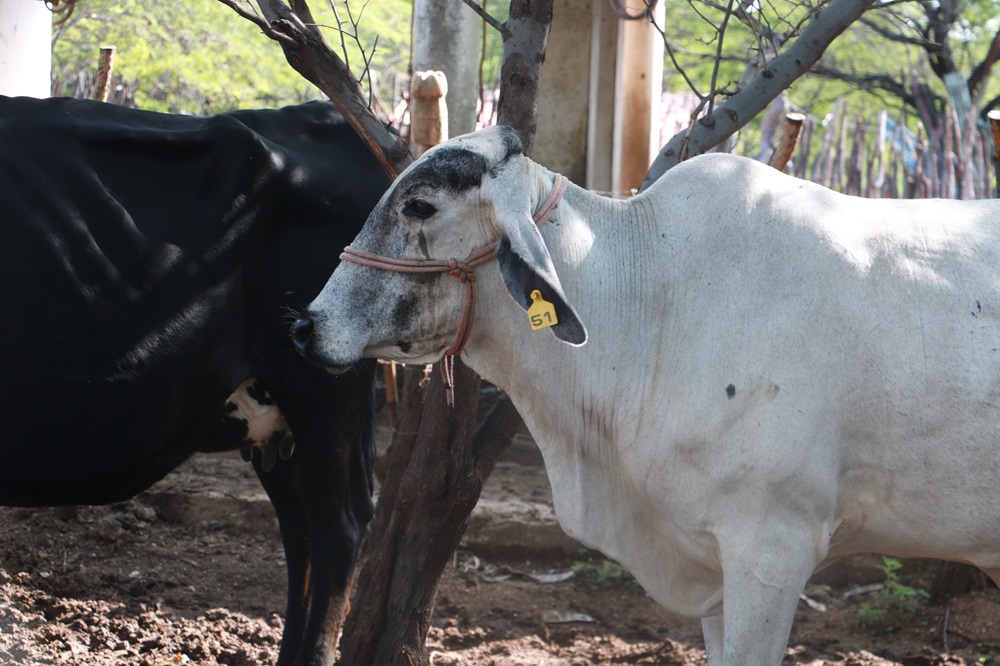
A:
(454, 201)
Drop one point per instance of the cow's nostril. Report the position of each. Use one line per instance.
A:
(302, 331)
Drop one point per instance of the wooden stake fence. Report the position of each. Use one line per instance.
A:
(955, 160)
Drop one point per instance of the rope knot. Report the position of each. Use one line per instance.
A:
(462, 272)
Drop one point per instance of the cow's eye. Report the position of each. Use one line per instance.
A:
(419, 208)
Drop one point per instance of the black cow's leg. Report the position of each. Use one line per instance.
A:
(330, 477)
(335, 535)
(280, 486)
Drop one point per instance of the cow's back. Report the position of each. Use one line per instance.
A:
(850, 347)
(149, 263)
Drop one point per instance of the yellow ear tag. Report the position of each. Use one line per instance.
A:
(541, 314)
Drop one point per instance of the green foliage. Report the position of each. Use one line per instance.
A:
(493, 44)
(861, 53)
(601, 572)
(893, 597)
(198, 56)
(375, 32)
(693, 30)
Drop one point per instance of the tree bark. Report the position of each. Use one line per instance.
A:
(741, 108)
(434, 481)
(954, 578)
(527, 31)
(436, 470)
(437, 467)
(410, 542)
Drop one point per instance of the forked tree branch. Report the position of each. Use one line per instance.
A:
(707, 132)
(310, 56)
(488, 18)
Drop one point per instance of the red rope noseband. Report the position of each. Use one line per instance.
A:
(460, 270)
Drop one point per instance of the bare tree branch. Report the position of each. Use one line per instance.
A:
(488, 18)
(793, 62)
(343, 36)
(981, 72)
(672, 53)
(311, 57)
(301, 9)
(257, 20)
(713, 86)
(892, 35)
(869, 82)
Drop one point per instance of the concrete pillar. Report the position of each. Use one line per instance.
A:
(561, 138)
(639, 83)
(601, 103)
(599, 99)
(446, 38)
(25, 48)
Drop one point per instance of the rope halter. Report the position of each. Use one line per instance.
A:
(461, 271)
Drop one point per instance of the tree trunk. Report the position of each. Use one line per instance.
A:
(954, 578)
(436, 467)
(436, 470)
(429, 494)
(523, 54)
(436, 474)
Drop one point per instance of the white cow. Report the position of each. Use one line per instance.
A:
(776, 375)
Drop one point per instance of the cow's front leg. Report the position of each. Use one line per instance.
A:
(322, 494)
(764, 573)
(714, 630)
(280, 484)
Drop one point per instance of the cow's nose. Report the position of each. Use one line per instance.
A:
(302, 331)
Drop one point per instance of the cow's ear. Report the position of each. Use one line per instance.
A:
(526, 266)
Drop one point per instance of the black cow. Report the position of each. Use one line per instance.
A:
(150, 265)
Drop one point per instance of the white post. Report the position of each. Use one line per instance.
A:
(561, 137)
(25, 48)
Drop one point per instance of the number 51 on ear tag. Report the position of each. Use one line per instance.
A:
(541, 314)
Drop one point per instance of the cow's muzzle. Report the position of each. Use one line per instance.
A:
(303, 339)
(302, 334)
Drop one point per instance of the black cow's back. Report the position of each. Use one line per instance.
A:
(148, 265)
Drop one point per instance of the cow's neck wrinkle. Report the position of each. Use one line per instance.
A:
(583, 404)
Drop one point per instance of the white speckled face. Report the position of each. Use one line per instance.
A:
(457, 199)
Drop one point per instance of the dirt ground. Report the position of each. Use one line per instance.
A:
(192, 573)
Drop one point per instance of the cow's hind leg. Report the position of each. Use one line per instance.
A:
(764, 573)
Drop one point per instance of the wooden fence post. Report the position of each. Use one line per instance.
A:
(428, 111)
(994, 118)
(103, 83)
(789, 139)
